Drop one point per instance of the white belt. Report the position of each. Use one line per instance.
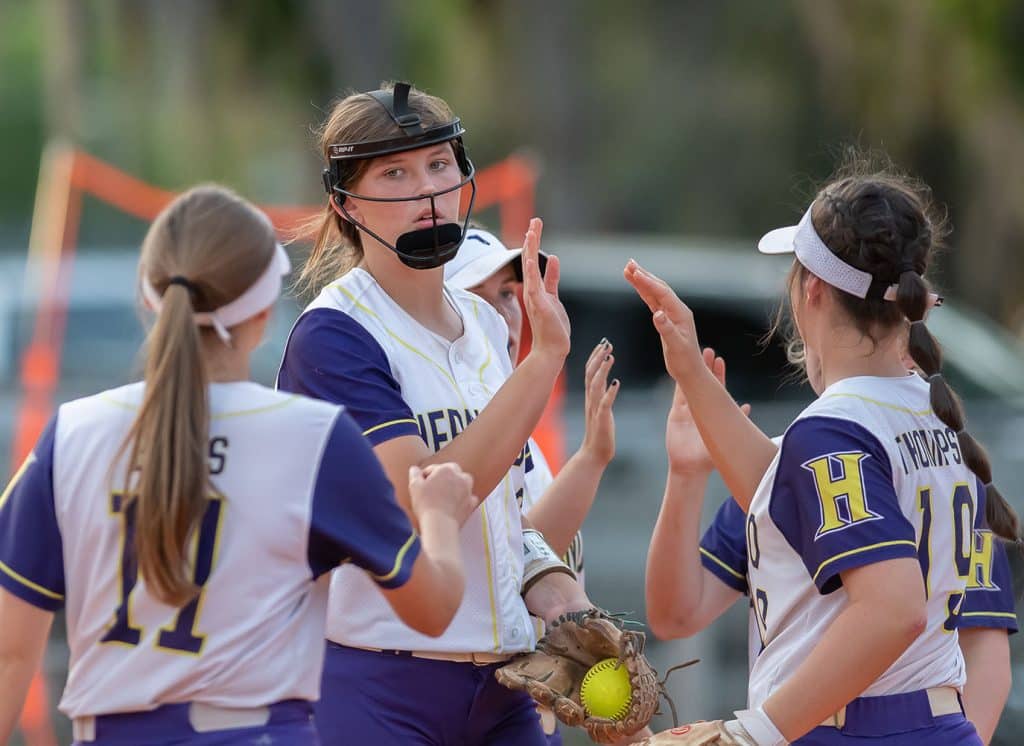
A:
(203, 718)
(477, 659)
(943, 700)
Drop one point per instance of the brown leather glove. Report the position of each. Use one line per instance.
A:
(574, 642)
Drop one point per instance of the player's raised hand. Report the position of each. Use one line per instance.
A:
(673, 320)
(599, 432)
(549, 322)
(445, 488)
(687, 454)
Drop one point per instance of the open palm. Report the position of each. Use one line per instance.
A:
(687, 453)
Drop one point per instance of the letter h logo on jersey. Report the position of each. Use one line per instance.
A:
(839, 481)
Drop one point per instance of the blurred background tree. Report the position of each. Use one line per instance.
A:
(656, 116)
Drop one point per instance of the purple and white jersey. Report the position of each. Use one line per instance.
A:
(296, 492)
(354, 345)
(867, 473)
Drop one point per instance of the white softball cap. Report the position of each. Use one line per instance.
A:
(480, 256)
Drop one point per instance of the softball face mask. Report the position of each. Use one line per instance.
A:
(424, 248)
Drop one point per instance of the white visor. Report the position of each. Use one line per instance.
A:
(259, 296)
(803, 240)
(480, 256)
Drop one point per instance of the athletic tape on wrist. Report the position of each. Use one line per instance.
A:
(539, 559)
(760, 728)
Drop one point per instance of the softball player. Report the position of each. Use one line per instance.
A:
(423, 369)
(861, 532)
(182, 522)
(556, 506)
(690, 584)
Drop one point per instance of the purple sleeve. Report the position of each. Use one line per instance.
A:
(989, 601)
(723, 548)
(330, 356)
(355, 516)
(31, 548)
(835, 502)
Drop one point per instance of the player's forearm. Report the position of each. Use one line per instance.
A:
(857, 648)
(561, 510)
(555, 594)
(24, 630)
(490, 444)
(15, 676)
(987, 655)
(674, 580)
(440, 541)
(429, 599)
(727, 431)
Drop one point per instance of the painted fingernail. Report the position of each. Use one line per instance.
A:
(607, 358)
(603, 342)
(615, 382)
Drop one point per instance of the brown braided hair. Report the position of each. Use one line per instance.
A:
(885, 223)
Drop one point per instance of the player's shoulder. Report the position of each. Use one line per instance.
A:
(830, 429)
(336, 322)
(108, 407)
(869, 398)
(248, 401)
(350, 293)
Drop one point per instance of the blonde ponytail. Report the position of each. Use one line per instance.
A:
(202, 252)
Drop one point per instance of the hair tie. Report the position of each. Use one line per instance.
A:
(931, 378)
(184, 282)
(907, 267)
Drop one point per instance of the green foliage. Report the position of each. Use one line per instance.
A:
(651, 116)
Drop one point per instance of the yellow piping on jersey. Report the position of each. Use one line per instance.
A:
(724, 566)
(486, 363)
(382, 425)
(257, 410)
(487, 344)
(887, 405)
(213, 416)
(490, 577)
(17, 476)
(29, 584)
(1001, 614)
(879, 545)
(398, 560)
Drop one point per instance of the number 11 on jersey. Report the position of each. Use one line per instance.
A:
(181, 635)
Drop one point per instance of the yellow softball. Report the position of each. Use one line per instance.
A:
(605, 691)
